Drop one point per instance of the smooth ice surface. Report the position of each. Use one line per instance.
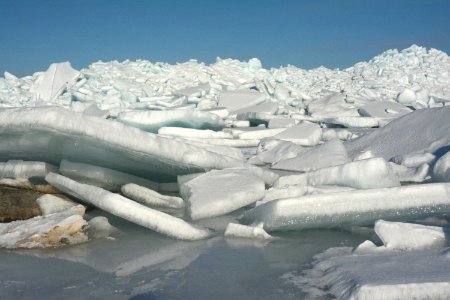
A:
(219, 192)
(102, 177)
(407, 237)
(305, 134)
(243, 231)
(239, 99)
(363, 174)
(359, 207)
(58, 229)
(129, 210)
(149, 197)
(25, 169)
(50, 204)
(51, 134)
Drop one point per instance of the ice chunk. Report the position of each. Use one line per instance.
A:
(405, 174)
(268, 108)
(194, 90)
(329, 154)
(243, 231)
(102, 177)
(305, 134)
(332, 105)
(219, 192)
(259, 133)
(407, 97)
(384, 110)
(413, 160)
(53, 82)
(360, 207)
(194, 133)
(407, 237)
(354, 122)
(239, 99)
(152, 120)
(441, 170)
(129, 210)
(362, 174)
(51, 134)
(56, 229)
(150, 198)
(50, 204)
(25, 169)
(281, 123)
(99, 227)
(424, 130)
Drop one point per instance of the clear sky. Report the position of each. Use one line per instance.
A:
(307, 34)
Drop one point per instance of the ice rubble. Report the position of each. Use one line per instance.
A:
(128, 209)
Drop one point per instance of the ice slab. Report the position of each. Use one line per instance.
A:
(441, 170)
(305, 134)
(359, 207)
(243, 231)
(332, 105)
(129, 210)
(259, 133)
(51, 134)
(54, 80)
(331, 153)
(194, 133)
(424, 130)
(281, 123)
(152, 120)
(239, 99)
(25, 169)
(407, 237)
(150, 198)
(362, 174)
(58, 229)
(384, 110)
(219, 192)
(102, 177)
(50, 204)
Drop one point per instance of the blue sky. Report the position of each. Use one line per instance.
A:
(307, 34)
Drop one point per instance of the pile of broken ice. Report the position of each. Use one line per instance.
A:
(165, 145)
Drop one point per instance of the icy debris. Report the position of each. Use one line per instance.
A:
(441, 170)
(58, 229)
(419, 174)
(102, 177)
(51, 134)
(305, 134)
(152, 120)
(359, 207)
(243, 231)
(99, 227)
(53, 82)
(362, 174)
(407, 237)
(25, 169)
(219, 192)
(331, 153)
(129, 210)
(150, 198)
(50, 204)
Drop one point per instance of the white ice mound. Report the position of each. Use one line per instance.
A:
(150, 198)
(332, 153)
(129, 210)
(52, 230)
(407, 237)
(243, 231)
(359, 207)
(50, 204)
(152, 120)
(219, 192)
(424, 130)
(51, 134)
(363, 174)
(25, 169)
(305, 134)
(441, 170)
(102, 177)
(52, 83)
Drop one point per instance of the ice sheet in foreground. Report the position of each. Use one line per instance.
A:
(129, 210)
(381, 275)
(51, 134)
(58, 229)
(219, 192)
(360, 207)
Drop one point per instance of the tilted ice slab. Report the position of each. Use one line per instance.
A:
(331, 153)
(362, 174)
(381, 275)
(219, 192)
(51, 134)
(25, 169)
(239, 99)
(52, 230)
(152, 120)
(305, 134)
(150, 198)
(424, 130)
(102, 177)
(52, 83)
(129, 210)
(360, 207)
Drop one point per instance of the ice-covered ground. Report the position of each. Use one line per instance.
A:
(224, 180)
